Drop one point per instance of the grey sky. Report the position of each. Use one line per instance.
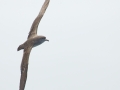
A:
(84, 48)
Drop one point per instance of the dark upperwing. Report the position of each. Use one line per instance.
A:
(34, 27)
(24, 67)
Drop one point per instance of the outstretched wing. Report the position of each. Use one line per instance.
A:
(34, 27)
(24, 67)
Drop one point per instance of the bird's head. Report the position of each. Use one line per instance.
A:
(43, 38)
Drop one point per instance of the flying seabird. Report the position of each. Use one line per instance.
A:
(33, 40)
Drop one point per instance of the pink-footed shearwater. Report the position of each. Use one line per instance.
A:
(32, 41)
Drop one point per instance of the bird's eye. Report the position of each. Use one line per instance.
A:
(44, 37)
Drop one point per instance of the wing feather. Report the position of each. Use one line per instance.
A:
(24, 67)
(34, 27)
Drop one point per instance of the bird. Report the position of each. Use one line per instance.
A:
(32, 41)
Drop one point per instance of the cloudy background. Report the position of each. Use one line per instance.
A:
(84, 48)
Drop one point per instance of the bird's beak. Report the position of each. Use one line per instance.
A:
(46, 40)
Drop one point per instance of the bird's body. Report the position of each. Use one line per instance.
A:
(33, 40)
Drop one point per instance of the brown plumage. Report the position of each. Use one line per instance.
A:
(33, 40)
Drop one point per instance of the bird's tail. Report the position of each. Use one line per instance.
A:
(20, 47)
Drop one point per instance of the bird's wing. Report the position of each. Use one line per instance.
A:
(34, 27)
(24, 67)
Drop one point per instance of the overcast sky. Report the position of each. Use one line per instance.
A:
(84, 48)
